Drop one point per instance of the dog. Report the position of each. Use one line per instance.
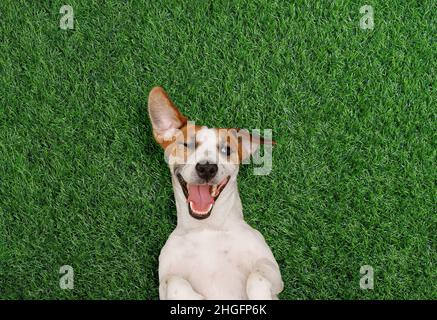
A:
(212, 253)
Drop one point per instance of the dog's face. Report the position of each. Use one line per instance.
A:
(202, 159)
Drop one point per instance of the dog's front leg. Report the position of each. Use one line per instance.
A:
(264, 282)
(177, 288)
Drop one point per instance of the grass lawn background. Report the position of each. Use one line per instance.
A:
(353, 113)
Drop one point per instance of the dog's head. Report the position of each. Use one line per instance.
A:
(203, 160)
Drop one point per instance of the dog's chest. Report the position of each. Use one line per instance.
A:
(216, 263)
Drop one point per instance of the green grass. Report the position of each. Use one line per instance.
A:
(353, 113)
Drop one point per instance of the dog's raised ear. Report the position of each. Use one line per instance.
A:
(248, 143)
(165, 117)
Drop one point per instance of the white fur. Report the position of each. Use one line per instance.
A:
(220, 257)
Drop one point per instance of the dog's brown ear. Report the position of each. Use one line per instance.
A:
(248, 143)
(165, 117)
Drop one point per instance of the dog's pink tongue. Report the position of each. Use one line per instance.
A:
(200, 197)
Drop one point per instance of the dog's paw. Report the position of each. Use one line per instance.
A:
(258, 287)
(180, 289)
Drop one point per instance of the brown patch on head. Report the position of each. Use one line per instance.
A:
(176, 135)
(184, 143)
(242, 141)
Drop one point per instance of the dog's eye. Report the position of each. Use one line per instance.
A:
(190, 145)
(226, 150)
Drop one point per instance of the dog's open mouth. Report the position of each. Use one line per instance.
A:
(201, 197)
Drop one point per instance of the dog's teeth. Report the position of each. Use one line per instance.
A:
(214, 190)
(200, 212)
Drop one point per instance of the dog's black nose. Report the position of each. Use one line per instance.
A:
(206, 170)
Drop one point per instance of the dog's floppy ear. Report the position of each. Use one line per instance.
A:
(249, 143)
(165, 117)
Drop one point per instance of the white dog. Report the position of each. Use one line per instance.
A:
(213, 253)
